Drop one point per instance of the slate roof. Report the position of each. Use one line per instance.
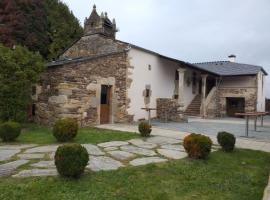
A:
(216, 68)
(81, 59)
(227, 68)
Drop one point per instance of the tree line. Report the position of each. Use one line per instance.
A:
(32, 32)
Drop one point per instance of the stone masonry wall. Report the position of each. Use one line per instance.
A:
(168, 110)
(93, 45)
(250, 95)
(212, 108)
(73, 90)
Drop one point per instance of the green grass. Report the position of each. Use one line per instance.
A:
(241, 175)
(35, 134)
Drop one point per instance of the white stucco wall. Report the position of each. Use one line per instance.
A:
(238, 81)
(261, 92)
(189, 96)
(160, 77)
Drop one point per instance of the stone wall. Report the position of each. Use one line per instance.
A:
(212, 110)
(250, 95)
(93, 45)
(73, 90)
(168, 110)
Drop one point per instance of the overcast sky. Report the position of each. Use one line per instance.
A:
(191, 30)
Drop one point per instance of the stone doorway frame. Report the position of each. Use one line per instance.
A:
(110, 82)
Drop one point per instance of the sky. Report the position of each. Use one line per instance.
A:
(191, 30)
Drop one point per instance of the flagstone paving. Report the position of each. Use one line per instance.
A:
(104, 156)
(162, 146)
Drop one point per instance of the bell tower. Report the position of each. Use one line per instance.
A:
(99, 24)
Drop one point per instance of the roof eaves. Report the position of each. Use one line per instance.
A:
(82, 59)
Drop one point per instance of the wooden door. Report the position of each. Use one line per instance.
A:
(105, 104)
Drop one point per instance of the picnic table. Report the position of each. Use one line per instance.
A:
(149, 113)
(247, 116)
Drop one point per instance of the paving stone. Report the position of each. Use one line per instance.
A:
(176, 147)
(44, 164)
(148, 160)
(112, 144)
(42, 149)
(121, 155)
(51, 155)
(138, 150)
(93, 150)
(8, 168)
(17, 147)
(36, 172)
(111, 149)
(103, 163)
(142, 144)
(30, 156)
(162, 140)
(172, 154)
(6, 154)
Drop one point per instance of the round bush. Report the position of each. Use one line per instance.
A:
(145, 129)
(71, 160)
(197, 146)
(226, 141)
(65, 130)
(9, 131)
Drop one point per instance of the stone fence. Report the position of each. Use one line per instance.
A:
(168, 110)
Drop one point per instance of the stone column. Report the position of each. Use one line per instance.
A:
(204, 80)
(181, 95)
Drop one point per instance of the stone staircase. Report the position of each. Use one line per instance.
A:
(194, 107)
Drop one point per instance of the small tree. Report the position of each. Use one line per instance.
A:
(19, 70)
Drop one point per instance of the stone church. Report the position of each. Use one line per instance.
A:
(100, 79)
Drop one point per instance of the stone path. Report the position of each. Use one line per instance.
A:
(171, 136)
(38, 160)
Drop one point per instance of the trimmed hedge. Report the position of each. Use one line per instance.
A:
(145, 129)
(71, 160)
(65, 130)
(226, 141)
(197, 146)
(9, 131)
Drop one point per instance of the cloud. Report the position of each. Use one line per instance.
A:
(194, 30)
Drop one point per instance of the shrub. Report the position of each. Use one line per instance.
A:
(9, 131)
(197, 146)
(71, 160)
(226, 141)
(145, 129)
(65, 130)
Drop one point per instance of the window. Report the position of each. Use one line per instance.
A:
(103, 94)
(176, 75)
(176, 96)
(147, 93)
(149, 67)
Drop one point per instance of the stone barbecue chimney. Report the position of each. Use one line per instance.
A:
(232, 58)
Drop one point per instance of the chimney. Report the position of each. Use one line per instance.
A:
(232, 58)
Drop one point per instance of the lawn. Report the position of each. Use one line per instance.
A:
(35, 134)
(241, 175)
